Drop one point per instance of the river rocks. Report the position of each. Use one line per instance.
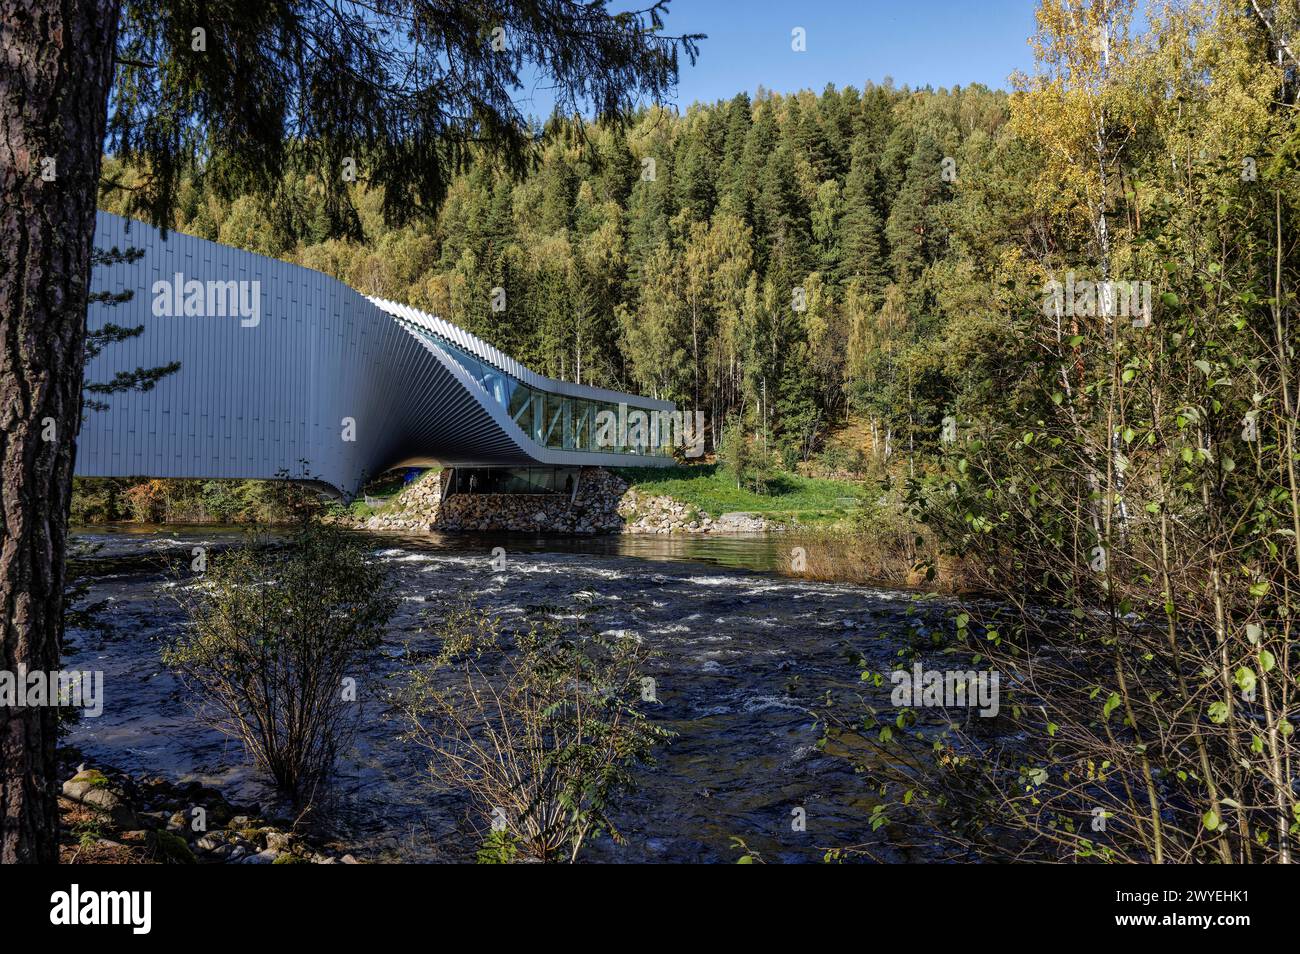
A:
(108, 815)
(279, 841)
(92, 788)
(603, 503)
(169, 848)
(741, 523)
(211, 841)
(645, 513)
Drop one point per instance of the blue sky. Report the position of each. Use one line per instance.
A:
(917, 42)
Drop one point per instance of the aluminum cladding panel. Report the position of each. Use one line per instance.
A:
(307, 378)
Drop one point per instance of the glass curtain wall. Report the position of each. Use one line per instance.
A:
(551, 420)
(514, 480)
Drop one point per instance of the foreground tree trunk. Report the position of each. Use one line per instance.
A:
(56, 64)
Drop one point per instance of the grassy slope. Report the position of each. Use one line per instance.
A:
(386, 490)
(709, 488)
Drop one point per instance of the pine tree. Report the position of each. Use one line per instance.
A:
(861, 247)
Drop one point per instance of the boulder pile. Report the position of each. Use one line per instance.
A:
(110, 816)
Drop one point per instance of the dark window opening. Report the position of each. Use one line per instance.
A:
(514, 480)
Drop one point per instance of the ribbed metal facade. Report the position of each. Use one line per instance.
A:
(273, 398)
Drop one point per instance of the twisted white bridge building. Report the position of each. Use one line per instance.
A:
(286, 372)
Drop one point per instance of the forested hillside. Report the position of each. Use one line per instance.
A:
(784, 258)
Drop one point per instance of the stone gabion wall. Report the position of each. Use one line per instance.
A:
(594, 509)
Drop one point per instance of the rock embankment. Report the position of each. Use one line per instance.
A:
(420, 507)
(604, 503)
(650, 513)
(109, 816)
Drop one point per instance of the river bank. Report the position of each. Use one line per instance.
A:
(698, 498)
(745, 657)
(109, 816)
(846, 539)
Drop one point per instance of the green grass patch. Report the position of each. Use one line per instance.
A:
(711, 488)
(360, 509)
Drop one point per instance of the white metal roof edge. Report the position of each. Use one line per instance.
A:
(509, 365)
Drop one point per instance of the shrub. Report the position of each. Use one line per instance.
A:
(734, 452)
(834, 459)
(277, 631)
(148, 501)
(541, 728)
(748, 463)
(790, 452)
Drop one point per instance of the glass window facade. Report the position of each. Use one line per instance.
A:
(551, 420)
(514, 480)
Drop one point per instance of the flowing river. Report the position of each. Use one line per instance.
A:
(745, 653)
